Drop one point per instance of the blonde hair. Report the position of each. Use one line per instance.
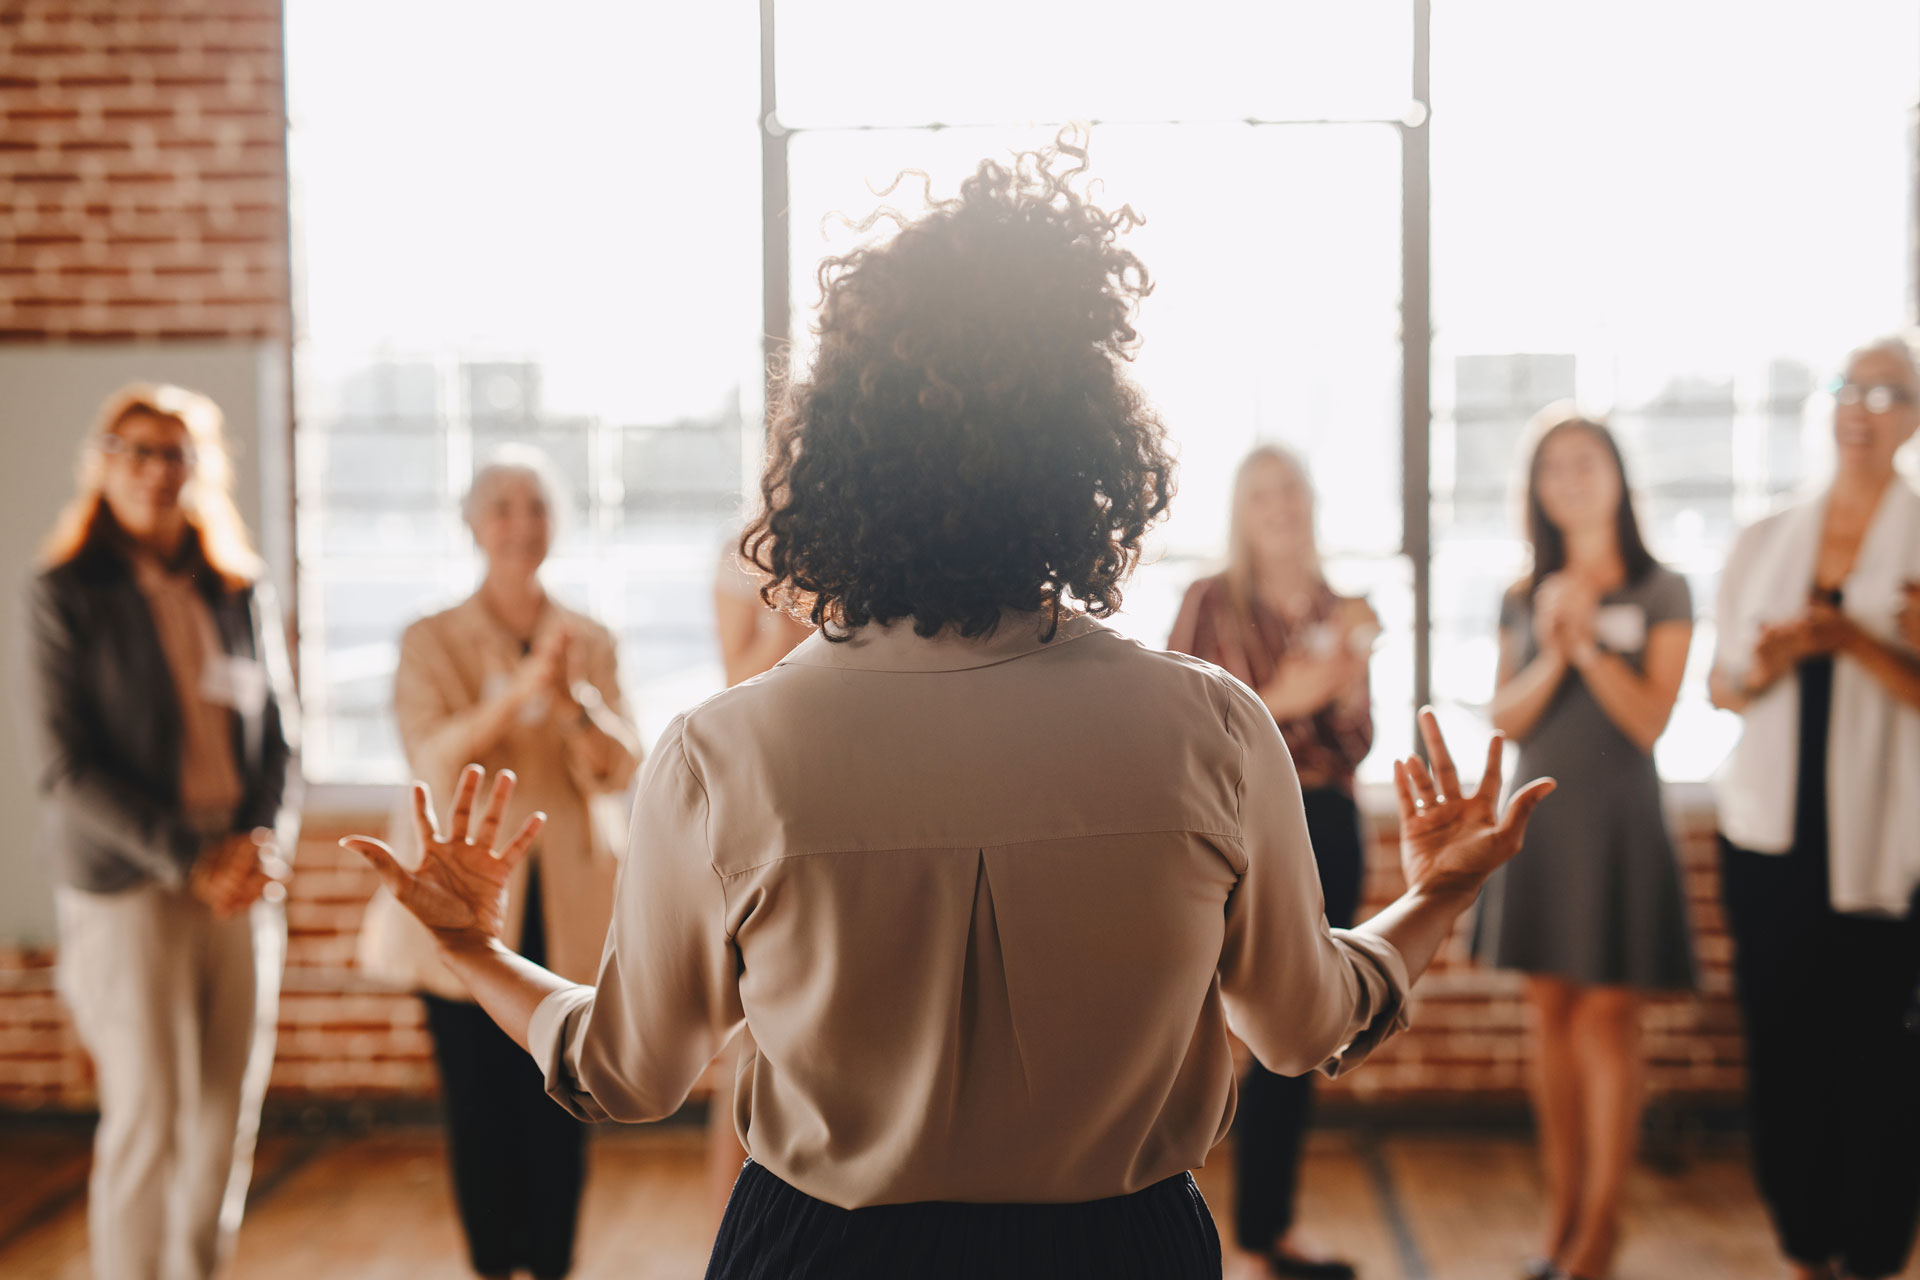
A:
(207, 499)
(1239, 571)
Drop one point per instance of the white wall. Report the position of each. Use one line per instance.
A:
(48, 395)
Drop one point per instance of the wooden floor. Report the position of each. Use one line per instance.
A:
(1406, 1207)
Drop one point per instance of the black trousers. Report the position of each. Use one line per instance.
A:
(519, 1160)
(1833, 1074)
(774, 1231)
(1270, 1125)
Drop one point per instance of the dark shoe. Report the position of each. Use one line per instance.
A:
(1291, 1268)
(1537, 1269)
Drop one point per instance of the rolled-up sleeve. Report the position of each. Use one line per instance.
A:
(667, 998)
(1302, 995)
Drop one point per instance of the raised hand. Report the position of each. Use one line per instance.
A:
(1450, 841)
(459, 890)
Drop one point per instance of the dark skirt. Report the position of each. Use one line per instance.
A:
(519, 1161)
(773, 1231)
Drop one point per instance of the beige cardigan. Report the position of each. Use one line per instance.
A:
(449, 664)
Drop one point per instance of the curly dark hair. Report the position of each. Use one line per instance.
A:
(967, 441)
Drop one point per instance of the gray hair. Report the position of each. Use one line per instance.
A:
(1893, 344)
(518, 461)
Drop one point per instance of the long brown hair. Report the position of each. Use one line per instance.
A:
(1239, 572)
(1549, 543)
(207, 500)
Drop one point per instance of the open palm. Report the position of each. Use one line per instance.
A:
(459, 890)
(1450, 840)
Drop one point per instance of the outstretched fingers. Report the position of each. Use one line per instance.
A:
(464, 792)
(515, 852)
(424, 820)
(1513, 823)
(496, 809)
(1490, 777)
(1403, 789)
(1443, 770)
(1422, 781)
(392, 874)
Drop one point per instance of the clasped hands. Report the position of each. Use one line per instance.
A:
(1305, 683)
(233, 873)
(545, 673)
(1565, 610)
(1820, 631)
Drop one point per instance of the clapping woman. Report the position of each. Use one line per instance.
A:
(513, 679)
(1819, 811)
(1593, 645)
(1272, 621)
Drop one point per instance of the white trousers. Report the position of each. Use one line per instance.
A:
(177, 1009)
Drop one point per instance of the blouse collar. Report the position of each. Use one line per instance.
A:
(893, 646)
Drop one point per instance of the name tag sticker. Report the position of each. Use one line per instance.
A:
(239, 683)
(1620, 628)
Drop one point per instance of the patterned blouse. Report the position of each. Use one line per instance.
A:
(1328, 745)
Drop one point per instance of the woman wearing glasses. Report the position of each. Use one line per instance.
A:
(167, 727)
(1820, 837)
(977, 876)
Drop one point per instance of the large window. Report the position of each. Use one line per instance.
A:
(547, 226)
(530, 225)
(1681, 216)
(1264, 153)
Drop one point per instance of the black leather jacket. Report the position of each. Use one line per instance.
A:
(109, 723)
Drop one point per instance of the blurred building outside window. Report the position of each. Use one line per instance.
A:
(1685, 231)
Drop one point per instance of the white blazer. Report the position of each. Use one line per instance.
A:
(1873, 756)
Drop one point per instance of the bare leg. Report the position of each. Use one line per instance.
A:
(1555, 1080)
(1606, 1029)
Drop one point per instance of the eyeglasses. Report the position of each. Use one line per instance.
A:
(1874, 397)
(176, 457)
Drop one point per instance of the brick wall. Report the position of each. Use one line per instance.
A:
(343, 1040)
(1468, 1041)
(143, 194)
(143, 170)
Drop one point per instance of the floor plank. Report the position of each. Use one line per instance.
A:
(378, 1207)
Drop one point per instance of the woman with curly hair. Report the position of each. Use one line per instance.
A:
(978, 876)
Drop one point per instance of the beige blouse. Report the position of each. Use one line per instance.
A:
(452, 662)
(985, 909)
(210, 786)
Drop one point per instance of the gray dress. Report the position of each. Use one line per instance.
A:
(1594, 894)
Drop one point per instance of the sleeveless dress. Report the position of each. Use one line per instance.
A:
(1594, 895)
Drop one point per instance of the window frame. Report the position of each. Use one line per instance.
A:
(1416, 337)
